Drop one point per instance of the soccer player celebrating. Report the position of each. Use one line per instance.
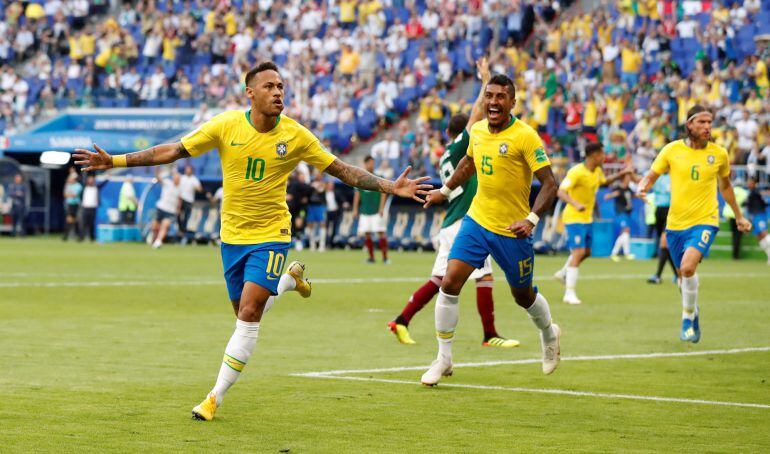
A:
(369, 208)
(259, 148)
(459, 201)
(578, 191)
(503, 152)
(696, 165)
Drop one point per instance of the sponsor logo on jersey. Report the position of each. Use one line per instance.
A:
(540, 155)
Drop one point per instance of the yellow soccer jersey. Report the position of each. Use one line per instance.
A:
(504, 165)
(255, 168)
(693, 182)
(581, 184)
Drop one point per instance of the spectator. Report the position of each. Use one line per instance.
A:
(127, 201)
(297, 195)
(89, 205)
(189, 184)
(72, 191)
(17, 192)
(315, 228)
(166, 210)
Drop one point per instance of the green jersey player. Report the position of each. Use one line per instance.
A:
(459, 202)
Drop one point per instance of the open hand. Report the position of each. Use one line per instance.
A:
(411, 189)
(522, 229)
(580, 207)
(100, 160)
(434, 197)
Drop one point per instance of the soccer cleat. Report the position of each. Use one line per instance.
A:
(571, 299)
(551, 351)
(500, 342)
(386, 262)
(370, 261)
(296, 269)
(440, 367)
(630, 257)
(654, 279)
(690, 330)
(206, 409)
(615, 258)
(401, 332)
(561, 277)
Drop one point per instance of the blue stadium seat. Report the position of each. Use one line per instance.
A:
(169, 103)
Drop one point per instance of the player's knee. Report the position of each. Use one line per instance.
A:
(451, 286)
(524, 296)
(687, 270)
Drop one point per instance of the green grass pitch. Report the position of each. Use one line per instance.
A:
(106, 348)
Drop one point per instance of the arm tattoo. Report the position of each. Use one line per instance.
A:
(465, 169)
(358, 177)
(159, 154)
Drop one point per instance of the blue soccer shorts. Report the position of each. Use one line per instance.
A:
(515, 256)
(261, 264)
(579, 236)
(699, 237)
(623, 220)
(759, 223)
(316, 213)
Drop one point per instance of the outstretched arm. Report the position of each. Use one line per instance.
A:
(465, 169)
(613, 178)
(565, 197)
(477, 113)
(159, 154)
(543, 203)
(360, 178)
(726, 188)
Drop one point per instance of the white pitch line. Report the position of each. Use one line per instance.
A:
(732, 351)
(561, 392)
(346, 281)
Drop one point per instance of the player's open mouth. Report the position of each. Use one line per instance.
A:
(494, 112)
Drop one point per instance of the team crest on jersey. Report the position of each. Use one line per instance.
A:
(281, 148)
(711, 159)
(503, 149)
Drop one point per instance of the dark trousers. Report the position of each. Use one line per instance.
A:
(88, 223)
(184, 216)
(333, 219)
(17, 219)
(661, 213)
(737, 235)
(128, 217)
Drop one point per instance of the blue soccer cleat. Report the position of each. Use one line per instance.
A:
(690, 330)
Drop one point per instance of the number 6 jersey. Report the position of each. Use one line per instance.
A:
(255, 168)
(693, 182)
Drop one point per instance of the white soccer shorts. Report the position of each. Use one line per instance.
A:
(446, 237)
(370, 223)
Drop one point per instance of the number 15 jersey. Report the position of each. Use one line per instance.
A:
(255, 168)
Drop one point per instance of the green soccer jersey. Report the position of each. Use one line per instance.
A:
(460, 199)
(370, 202)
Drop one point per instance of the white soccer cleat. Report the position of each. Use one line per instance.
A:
(561, 277)
(157, 244)
(571, 298)
(440, 367)
(551, 351)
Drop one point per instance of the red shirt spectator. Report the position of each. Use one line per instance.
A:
(414, 28)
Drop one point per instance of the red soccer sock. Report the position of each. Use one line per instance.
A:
(419, 299)
(486, 307)
(384, 248)
(370, 247)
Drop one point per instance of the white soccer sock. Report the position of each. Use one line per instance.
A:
(765, 245)
(618, 245)
(572, 277)
(322, 239)
(566, 265)
(626, 243)
(237, 354)
(540, 314)
(690, 297)
(311, 238)
(286, 283)
(447, 315)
